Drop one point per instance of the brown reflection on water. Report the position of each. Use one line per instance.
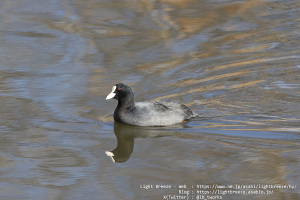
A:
(254, 61)
(196, 81)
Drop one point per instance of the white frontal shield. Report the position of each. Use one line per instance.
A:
(112, 94)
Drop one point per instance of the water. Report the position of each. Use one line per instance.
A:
(236, 63)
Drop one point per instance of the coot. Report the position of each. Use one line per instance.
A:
(151, 113)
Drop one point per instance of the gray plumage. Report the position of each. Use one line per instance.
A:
(156, 113)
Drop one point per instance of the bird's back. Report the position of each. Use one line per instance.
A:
(157, 114)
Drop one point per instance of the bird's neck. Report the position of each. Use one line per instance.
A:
(126, 103)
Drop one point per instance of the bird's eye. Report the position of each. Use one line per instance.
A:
(119, 88)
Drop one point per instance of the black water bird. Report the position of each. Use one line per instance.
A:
(149, 113)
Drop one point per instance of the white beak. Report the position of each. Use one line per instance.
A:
(110, 154)
(112, 94)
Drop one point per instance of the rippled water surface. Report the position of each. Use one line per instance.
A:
(236, 63)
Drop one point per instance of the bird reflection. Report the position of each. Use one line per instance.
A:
(125, 138)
